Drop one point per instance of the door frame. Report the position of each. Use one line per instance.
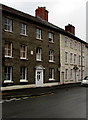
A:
(41, 69)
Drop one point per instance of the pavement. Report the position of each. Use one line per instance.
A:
(25, 91)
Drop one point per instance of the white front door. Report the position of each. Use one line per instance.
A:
(39, 78)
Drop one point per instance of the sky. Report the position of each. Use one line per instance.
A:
(61, 12)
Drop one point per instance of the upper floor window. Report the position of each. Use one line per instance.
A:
(8, 49)
(66, 57)
(71, 44)
(8, 24)
(23, 29)
(79, 60)
(83, 60)
(79, 46)
(38, 33)
(38, 54)
(51, 37)
(23, 52)
(74, 58)
(83, 48)
(71, 57)
(51, 56)
(75, 45)
(66, 42)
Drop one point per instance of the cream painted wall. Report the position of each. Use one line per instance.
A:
(74, 50)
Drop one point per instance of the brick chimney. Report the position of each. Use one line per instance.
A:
(70, 28)
(41, 12)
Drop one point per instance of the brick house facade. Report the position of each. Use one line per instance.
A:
(31, 48)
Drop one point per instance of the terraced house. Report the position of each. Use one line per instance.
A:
(35, 51)
(73, 57)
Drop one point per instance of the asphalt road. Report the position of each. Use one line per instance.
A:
(62, 103)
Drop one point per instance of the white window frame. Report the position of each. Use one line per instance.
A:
(8, 25)
(75, 44)
(51, 55)
(7, 50)
(83, 60)
(71, 74)
(22, 74)
(8, 80)
(38, 34)
(66, 57)
(51, 74)
(23, 29)
(79, 60)
(71, 41)
(79, 74)
(51, 37)
(23, 50)
(71, 56)
(38, 54)
(75, 58)
(66, 42)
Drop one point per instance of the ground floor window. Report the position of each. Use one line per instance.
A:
(66, 74)
(71, 74)
(51, 74)
(8, 73)
(79, 74)
(23, 73)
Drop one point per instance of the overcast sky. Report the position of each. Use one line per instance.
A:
(61, 12)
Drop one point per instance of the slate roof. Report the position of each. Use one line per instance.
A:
(36, 20)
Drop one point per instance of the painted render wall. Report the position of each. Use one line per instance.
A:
(74, 50)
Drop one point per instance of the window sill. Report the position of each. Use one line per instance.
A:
(71, 63)
(23, 59)
(39, 39)
(51, 42)
(8, 81)
(51, 79)
(39, 60)
(8, 31)
(23, 80)
(66, 63)
(23, 35)
(51, 61)
(9, 57)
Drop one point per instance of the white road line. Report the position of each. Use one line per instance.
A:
(1, 102)
(25, 97)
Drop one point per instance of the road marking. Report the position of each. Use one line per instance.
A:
(1, 102)
(23, 98)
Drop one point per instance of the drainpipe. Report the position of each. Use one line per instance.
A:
(81, 63)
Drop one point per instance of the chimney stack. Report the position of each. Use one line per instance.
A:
(41, 12)
(70, 28)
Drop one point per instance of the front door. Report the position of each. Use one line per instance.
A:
(39, 78)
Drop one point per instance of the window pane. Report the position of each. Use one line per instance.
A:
(38, 54)
(38, 33)
(8, 73)
(23, 29)
(8, 24)
(23, 51)
(23, 73)
(8, 49)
